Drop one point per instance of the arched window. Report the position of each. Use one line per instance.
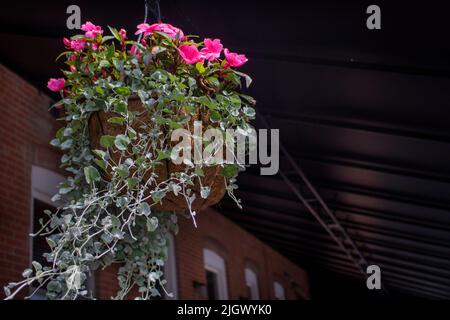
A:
(216, 276)
(170, 269)
(251, 280)
(279, 291)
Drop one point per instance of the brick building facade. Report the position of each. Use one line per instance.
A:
(218, 256)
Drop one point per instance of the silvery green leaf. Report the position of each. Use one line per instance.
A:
(249, 111)
(106, 221)
(152, 224)
(153, 276)
(204, 193)
(121, 202)
(97, 246)
(176, 188)
(75, 231)
(145, 209)
(7, 291)
(88, 257)
(107, 238)
(68, 132)
(67, 218)
(100, 153)
(115, 221)
(50, 242)
(74, 279)
(157, 196)
(107, 141)
(65, 190)
(65, 158)
(67, 144)
(27, 273)
(55, 142)
(37, 266)
(54, 286)
(116, 233)
(129, 162)
(91, 174)
(188, 162)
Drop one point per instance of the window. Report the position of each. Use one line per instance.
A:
(279, 291)
(170, 270)
(251, 280)
(216, 280)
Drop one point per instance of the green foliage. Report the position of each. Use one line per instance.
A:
(106, 214)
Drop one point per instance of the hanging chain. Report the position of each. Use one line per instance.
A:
(153, 7)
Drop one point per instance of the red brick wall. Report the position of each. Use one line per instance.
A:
(237, 246)
(25, 131)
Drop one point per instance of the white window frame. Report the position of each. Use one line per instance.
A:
(251, 279)
(170, 269)
(215, 263)
(279, 291)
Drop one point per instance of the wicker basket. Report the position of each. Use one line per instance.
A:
(213, 178)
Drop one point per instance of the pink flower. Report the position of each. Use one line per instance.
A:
(67, 43)
(212, 49)
(190, 54)
(56, 84)
(135, 51)
(123, 34)
(91, 30)
(234, 59)
(72, 58)
(77, 45)
(168, 29)
(144, 28)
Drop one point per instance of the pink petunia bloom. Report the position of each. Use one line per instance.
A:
(56, 84)
(168, 29)
(77, 45)
(212, 49)
(91, 30)
(234, 59)
(190, 54)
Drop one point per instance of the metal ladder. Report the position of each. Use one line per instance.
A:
(319, 209)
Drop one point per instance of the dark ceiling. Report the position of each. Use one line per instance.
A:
(364, 113)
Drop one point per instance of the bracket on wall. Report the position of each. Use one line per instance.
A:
(318, 208)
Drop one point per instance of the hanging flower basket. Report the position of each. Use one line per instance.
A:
(212, 178)
(128, 107)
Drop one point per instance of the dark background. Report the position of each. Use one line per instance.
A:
(364, 113)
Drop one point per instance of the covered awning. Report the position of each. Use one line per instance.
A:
(364, 114)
